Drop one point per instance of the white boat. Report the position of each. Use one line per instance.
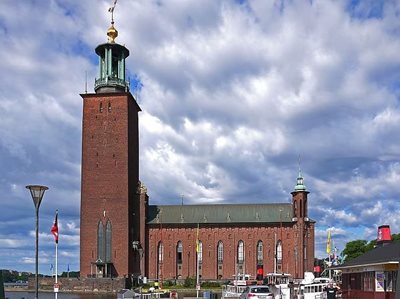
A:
(236, 287)
(279, 284)
(313, 288)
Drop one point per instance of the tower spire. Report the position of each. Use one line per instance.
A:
(300, 181)
(112, 73)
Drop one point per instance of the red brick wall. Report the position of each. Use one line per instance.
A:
(109, 176)
(229, 235)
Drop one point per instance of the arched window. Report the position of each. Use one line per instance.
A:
(179, 252)
(160, 252)
(220, 251)
(100, 241)
(279, 251)
(108, 241)
(200, 253)
(240, 252)
(260, 252)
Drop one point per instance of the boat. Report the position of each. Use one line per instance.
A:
(280, 284)
(235, 288)
(313, 288)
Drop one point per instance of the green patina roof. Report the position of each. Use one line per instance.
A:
(300, 183)
(220, 213)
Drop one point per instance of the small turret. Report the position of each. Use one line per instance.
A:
(111, 63)
(300, 183)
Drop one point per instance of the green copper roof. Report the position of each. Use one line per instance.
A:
(220, 213)
(300, 183)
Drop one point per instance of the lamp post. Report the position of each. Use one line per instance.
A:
(37, 193)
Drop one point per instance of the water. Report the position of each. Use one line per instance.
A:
(31, 295)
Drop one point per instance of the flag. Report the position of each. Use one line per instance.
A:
(68, 268)
(51, 267)
(197, 240)
(54, 228)
(328, 242)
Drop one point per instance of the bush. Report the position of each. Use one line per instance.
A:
(210, 284)
(168, 283)
(190, 282)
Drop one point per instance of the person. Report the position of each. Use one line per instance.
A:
(331, 291)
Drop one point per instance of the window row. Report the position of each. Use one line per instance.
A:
(240, 252)
(101, 107)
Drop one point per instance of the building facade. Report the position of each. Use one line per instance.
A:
(374, 274)
(122, 235)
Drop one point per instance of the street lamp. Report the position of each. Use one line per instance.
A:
(37, 193)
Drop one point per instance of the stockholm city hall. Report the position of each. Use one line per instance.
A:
(123, 235)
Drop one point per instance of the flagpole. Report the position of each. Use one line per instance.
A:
(56, 281)
(328, 251)
(197, 262)
(54, 231)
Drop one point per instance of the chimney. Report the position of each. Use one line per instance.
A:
(384, 235)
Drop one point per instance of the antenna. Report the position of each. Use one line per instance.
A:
(182, 196)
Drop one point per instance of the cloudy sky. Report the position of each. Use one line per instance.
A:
(232, 93)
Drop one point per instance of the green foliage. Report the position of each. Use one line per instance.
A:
(13, 276)
(210, 284)
(396, 237)
(371, 245)
(71, 274)
(190, 282)
(354, 249)
(168, 283)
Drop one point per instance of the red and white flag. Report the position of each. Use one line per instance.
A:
(54, 228)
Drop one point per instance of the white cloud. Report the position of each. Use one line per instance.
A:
(232, 94)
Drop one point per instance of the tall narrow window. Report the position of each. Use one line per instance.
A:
(109, 107)
(101, 107)
(160, 252)
(220, 250)
(200, 253)
(240, 252)
(259, 252)
(100, 241)
(108, 241)
(279, 251)
(179, 252)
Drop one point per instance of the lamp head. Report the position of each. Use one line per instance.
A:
(37, 192)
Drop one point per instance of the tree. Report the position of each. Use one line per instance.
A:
(354, 249)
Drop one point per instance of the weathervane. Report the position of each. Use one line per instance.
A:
(111, 9)
(112, 33)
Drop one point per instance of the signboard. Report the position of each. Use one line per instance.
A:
(198, 287)
(379, 281)
(56, 287)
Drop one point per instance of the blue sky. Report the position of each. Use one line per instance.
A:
(232, 93)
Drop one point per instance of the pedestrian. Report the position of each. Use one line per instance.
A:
(331, 291)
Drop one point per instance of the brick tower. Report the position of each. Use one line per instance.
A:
(110, 211)
(304, 227)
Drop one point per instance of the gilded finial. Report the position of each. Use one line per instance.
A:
(112, 33)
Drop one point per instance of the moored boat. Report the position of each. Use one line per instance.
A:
(313, 288)
(280, 284)
(235, 288)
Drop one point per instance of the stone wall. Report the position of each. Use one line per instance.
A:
(81, 284)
